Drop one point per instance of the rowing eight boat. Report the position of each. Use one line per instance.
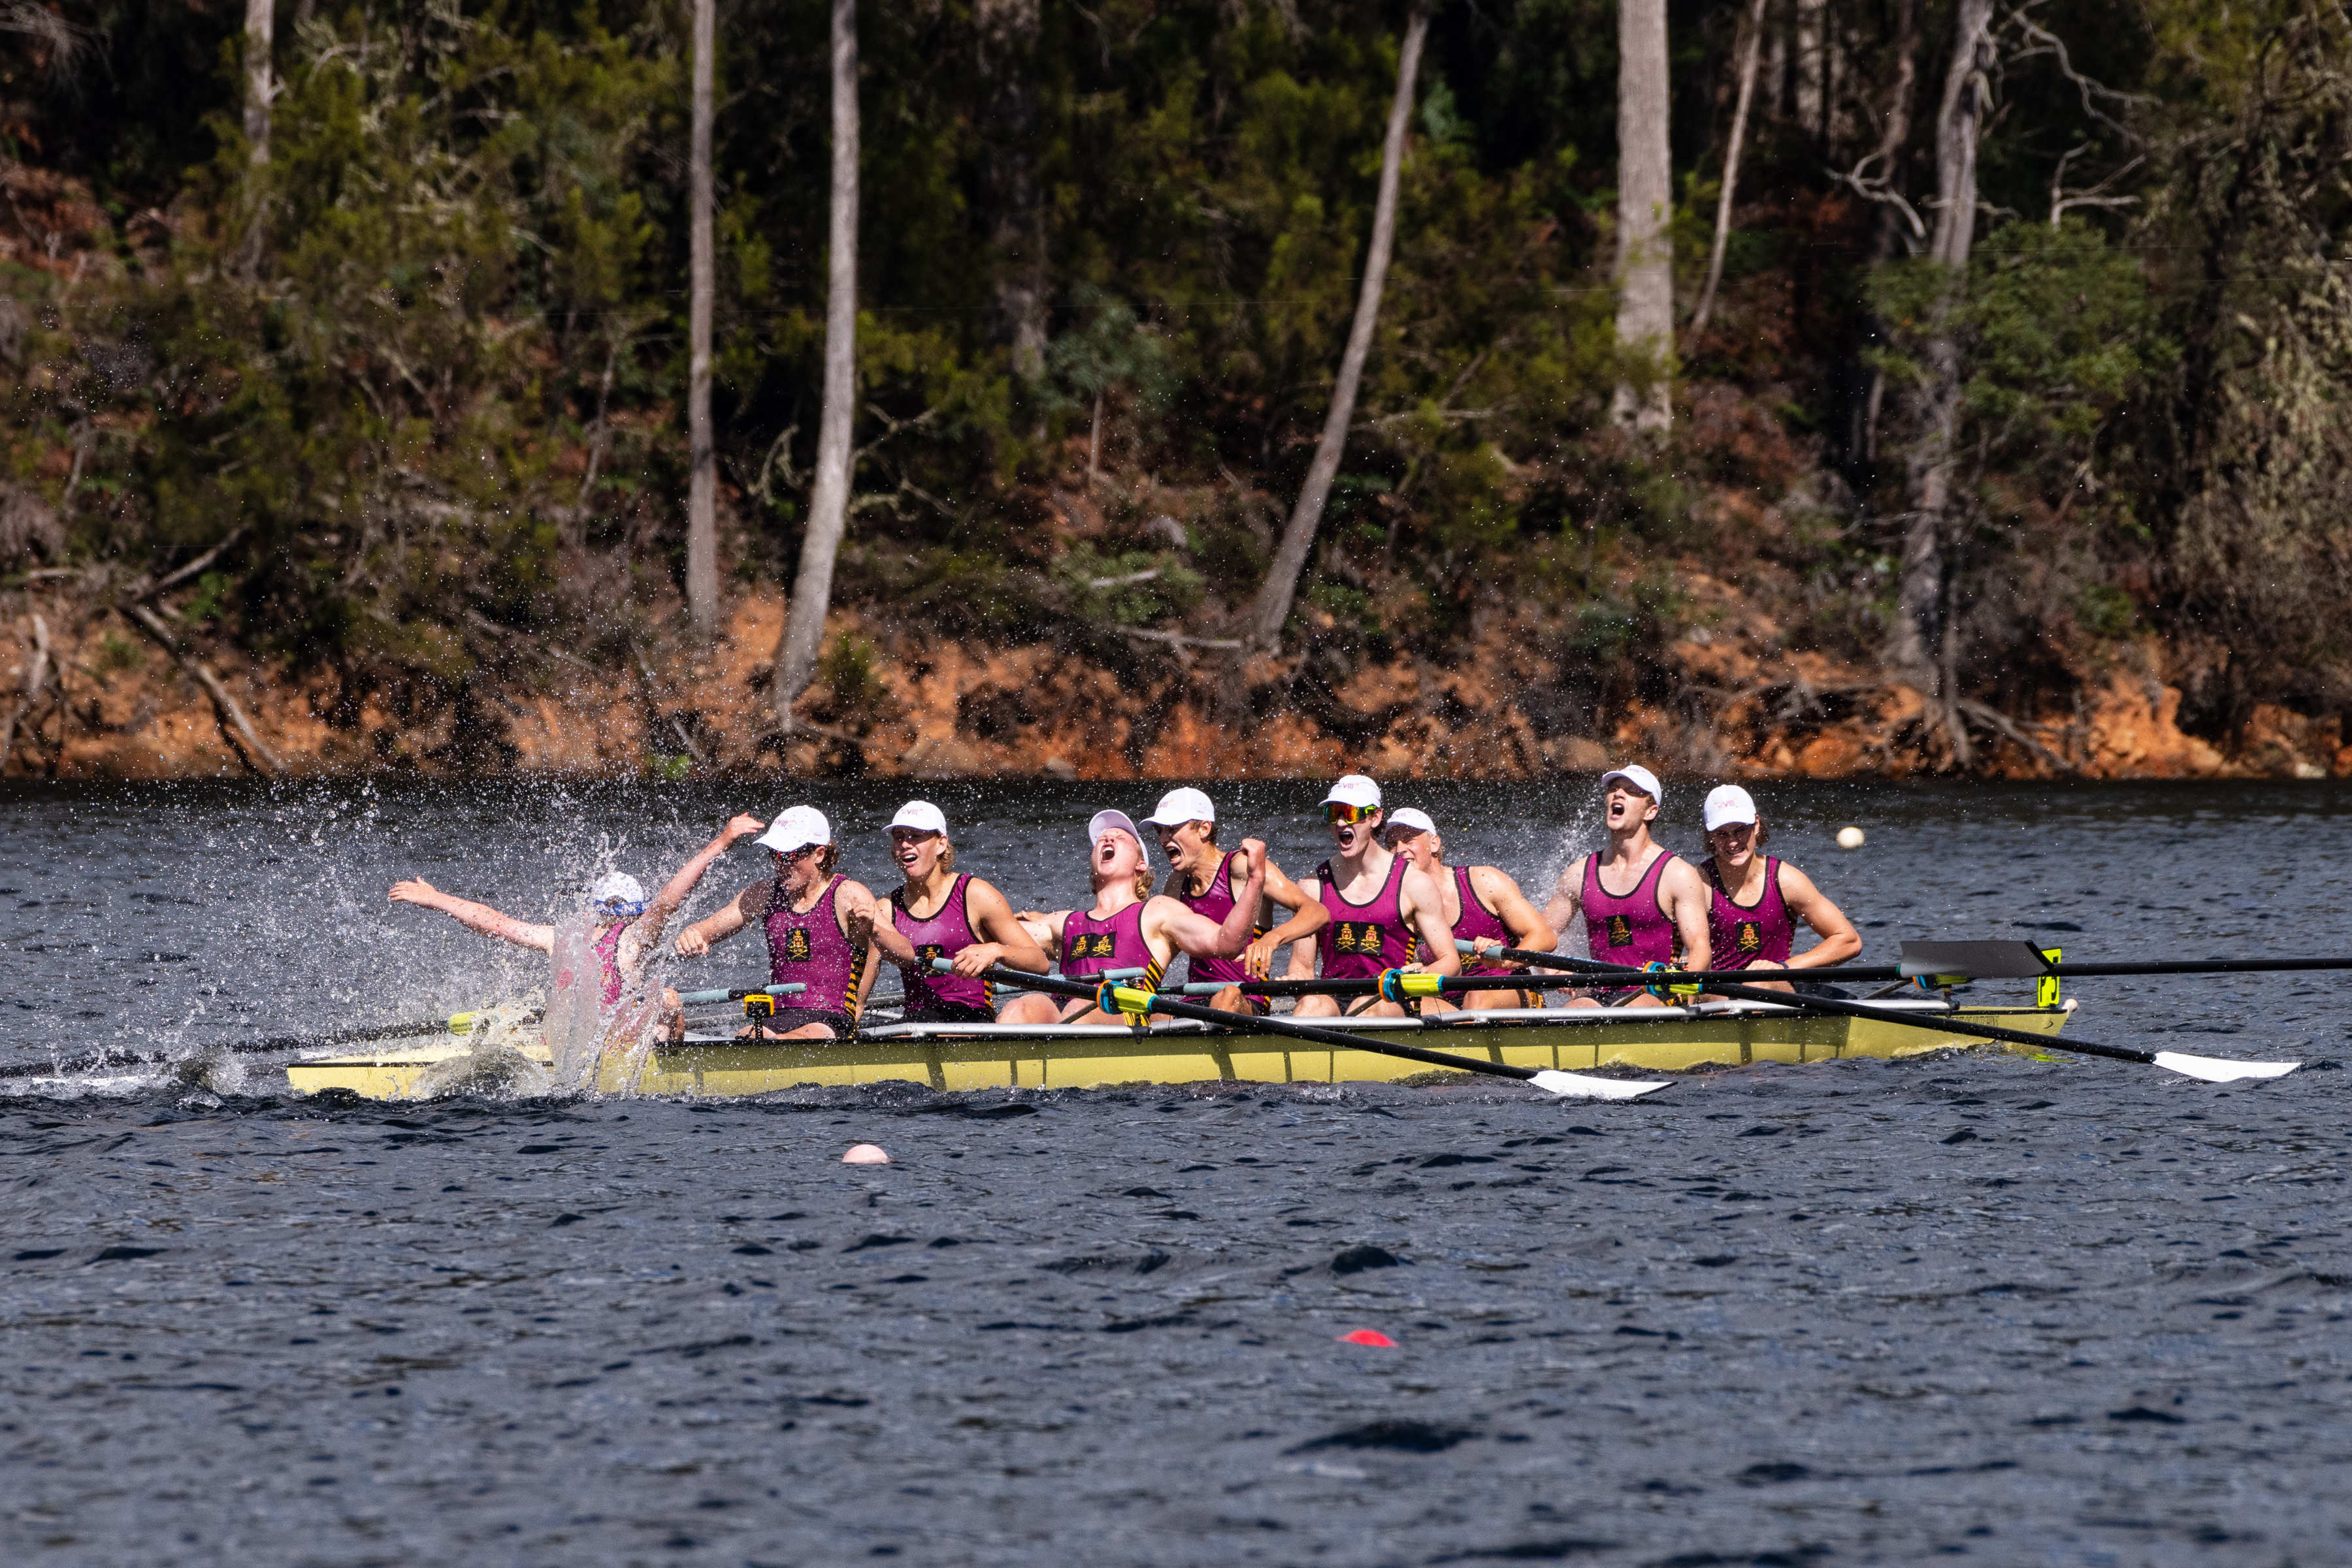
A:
(970, 1056)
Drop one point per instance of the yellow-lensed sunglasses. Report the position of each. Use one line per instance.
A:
(1336, 812)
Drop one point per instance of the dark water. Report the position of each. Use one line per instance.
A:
(2019, 1311)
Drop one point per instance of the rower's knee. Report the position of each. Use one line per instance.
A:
(1316, 1007)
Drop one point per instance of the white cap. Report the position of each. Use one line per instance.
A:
(1411, 816)
(1106, 821)
(1179, 807)
(1354, 789)
(1640, 777)
(617, 887)
(796, 829)
(922, 816)
(1727, 804)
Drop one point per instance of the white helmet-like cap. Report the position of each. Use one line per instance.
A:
(1727, 804)
(1356, 790)
(617, 887)
(1109, 821)
(922, 816)
(796, 830)
(1179, 807)
(1640, 777)
(1412, 817)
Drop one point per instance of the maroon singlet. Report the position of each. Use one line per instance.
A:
(1478, 920)
(1364, 939)
(1215, 904)
(1741, 935)
(1630, 929)
(943, 934)
(810, 948)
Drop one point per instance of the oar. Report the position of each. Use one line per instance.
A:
(2213, 1069)
(455, 1023)
(1134, 1000)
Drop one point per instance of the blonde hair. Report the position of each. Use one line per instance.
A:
(946, 856)
(1144, 878)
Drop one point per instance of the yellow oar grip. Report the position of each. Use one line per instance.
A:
(461, 1023)
(1130, 1000)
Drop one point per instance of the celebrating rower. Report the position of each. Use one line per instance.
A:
(1128, 927)
(1755, 900)
(1482, 905)
(1385, 912)
(1660, 914)
(942, 912)
(817, 922)
(1201, 877)
(627, 929)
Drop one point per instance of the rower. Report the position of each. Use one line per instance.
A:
(818, 924)
(1482, 905)
(1385, 912)
(1660, 914)
(626, 928)
(1129, 928)
(1201, 877)
(1755, 900)
(942, 912)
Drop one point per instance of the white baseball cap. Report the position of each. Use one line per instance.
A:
(1106, 821)
(1179, 807)
(1354, 789)
(922, 816)
(1411, 816)
(617, 887)
(1727, 804)
(1640, 777)
(796, 829)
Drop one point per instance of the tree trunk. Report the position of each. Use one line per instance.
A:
(1747, 59)
(260, 23)
(1812, 77)
(796, 650)
(1924, 647)
(1645, 259)
(1008, 36)
(1272, 608)
(1892, 164)
(702, 498)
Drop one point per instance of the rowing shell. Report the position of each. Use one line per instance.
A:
(1001, 1055)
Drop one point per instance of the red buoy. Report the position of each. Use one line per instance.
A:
(1368, 1337)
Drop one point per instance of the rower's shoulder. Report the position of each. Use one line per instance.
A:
(1493, 879)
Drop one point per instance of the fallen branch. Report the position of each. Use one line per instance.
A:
(646, 669)
(235, 727)
(37, 676)
(1175, 639)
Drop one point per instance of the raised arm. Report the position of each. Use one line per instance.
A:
(473, 915)
(864, 923)
(1197, 935)
(1528, 929)
(1686, 897)
(1426, 913)
(726, 920)
(1839, 941)
(666, 902)
(1007, 942)
(1567, 895)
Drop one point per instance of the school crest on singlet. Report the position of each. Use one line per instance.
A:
(1750, 938)
(1621, 931)
(930, 950)
(1092, 944)
(1359, 936)
(796, 944)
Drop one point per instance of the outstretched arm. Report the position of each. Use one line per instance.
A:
(1528, 929)
(726, 920)
(666, 902)
(1198, 936)
(1308, 916)
(473, 915)
(1839, 941)
(1008, 943)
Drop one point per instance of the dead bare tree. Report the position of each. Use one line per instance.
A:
(1750, 48)
(803, 632)
(702, 485)
(1274, 597)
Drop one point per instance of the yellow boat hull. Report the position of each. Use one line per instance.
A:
(1675, 1043)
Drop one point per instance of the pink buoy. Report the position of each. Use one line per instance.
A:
(865, 1155)
(1368, 1337)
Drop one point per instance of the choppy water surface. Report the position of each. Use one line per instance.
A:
(2020, 1311)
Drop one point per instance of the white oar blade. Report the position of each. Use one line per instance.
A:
(2215, 1069)
(1580, 1085)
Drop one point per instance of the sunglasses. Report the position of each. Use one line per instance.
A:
(1338, 814)
(802, 853)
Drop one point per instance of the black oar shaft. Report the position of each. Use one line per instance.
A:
(1334, 1038)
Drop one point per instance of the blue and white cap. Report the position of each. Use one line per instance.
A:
(617, 892)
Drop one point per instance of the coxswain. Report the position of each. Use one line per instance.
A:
(1130, 928)
(627, 929)
(1201, 877)
(1660, 914)
(1482, 905)
(818, 924)
(1755, 900)
(945, 913)
(1385, 913)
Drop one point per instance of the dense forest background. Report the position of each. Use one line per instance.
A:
(394, 415)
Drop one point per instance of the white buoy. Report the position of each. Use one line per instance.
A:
(1850, 837)
(865, 1155)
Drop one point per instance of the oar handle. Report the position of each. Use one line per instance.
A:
(697, 998)
(943, 966)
